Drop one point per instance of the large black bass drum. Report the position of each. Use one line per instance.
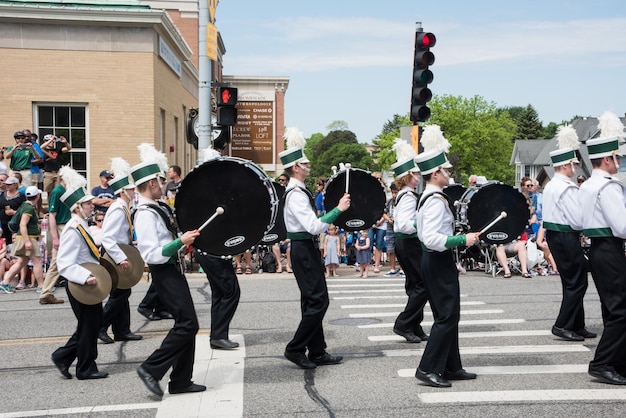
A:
(481, 205)
(454, 192)
(367, 198)
(278, 232)
(245, 193)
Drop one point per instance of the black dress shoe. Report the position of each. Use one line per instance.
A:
(566, 334)
(191, 388)
(128, 337)
(586, 334)
(432, 379)
(62, 368)
(95, 375)
(607, 374)
(300, 360)
(151, 383)
(422, 335)
(326, 359)
(165, 315)
(409, 336)
(104, 337)
(223, 344)
(460, 374)
(148, 314)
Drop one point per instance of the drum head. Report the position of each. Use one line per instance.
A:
(278, 232)
(241, 189)
(367, 198)
(488, 202)
(454, 192)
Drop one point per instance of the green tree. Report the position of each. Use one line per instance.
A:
(480, 137)
(385, 140)
(337, 125)
(528, 125)
(335, 137)
(353, 153)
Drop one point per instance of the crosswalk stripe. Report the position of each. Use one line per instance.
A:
(388, 314)
(368, 285)
(504, 370)
(486, 334)
(334, 292)
(461, 323)
(401, 305)
(523, 395)
(361, 280)
(368, 297)
(505, 349)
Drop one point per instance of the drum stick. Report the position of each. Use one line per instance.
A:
(347, 178)
(492, 223)
(218, 212)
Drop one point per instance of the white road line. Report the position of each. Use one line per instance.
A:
(388, 314)
(359, 281)
(368, 285)
(461, 323)
(401, 305)
(523, 395)
(504, 370)
(486, 334)
(368, 297)
(331, 292)
(505, 349)
(222, 373)
(80, 410)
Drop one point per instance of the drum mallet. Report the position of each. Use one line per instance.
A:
(218, 212)
(492, 223)
(348, 165)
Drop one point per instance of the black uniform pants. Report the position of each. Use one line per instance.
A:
(83, 344)
(225, 293)
(442, 284)
(151, 301)
(178, 348)
(608, 268)
(116, 312)
(305, 262)
(570, 260)
(409, 254)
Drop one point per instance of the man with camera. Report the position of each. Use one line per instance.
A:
(52, 149)
(21, 156)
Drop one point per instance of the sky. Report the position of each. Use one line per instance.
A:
(352, 60)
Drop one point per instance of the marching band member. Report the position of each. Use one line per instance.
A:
(302, 226)
(441, 360)
(562, 221)
(408, 246)
(117, 228)
(158, 244)
(603, 206)
(77, 247)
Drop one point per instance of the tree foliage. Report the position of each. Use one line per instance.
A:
(338, 125)
(528, 124)
(385, 140)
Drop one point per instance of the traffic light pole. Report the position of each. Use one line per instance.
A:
(205, 75)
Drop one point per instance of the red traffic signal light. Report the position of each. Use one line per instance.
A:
(226, 96)
(422, 76)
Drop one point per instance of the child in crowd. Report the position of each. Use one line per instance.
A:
(363, 253)
(332, 251)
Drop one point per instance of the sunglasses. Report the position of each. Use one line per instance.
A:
(99, 220)
(528, 185)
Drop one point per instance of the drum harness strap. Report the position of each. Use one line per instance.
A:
(400, 235)
(299, 235)
(166, 213)
(453, 240)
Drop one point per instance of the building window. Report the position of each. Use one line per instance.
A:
(69, 121)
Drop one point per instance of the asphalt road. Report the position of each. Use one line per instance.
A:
(504, 337)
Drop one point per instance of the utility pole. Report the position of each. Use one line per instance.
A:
(205, 20)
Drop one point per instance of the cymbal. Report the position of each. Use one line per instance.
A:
(125, 279)
(92, 294)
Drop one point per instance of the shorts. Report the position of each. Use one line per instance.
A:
(377, 237)
(284, 247)
(19, 250)
(391, 242)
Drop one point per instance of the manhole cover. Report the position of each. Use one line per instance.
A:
(355, 321)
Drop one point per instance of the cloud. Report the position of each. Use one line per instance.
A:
(307, 44)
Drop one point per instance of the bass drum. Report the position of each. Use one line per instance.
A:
(485, 203)
(245, 193)
(367, 198)
(454, 192)
(279, 231)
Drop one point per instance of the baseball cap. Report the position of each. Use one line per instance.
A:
(105, 173)
(11, 180)
(32, 191)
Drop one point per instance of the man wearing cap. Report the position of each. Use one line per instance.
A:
(26, 245)
(118, 229)
(408, 247)
(603, 207)
(21, 155)
(77, 247)
(441, 361)
(158, 244)
(104, 195)
(52, 148)
(562, 221)
(302, 226)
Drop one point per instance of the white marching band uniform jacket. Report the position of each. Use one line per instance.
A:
(73, 251)
(405, 212)
(116, 230)
(602, 201)
(435, 221)
(561, 210)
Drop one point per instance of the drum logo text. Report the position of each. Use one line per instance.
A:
(355, 223)
(497, 236)
(231, 242)
(270, 237)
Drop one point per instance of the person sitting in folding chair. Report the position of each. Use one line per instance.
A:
(516, 247)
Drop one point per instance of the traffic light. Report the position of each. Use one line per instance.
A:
(422, 76)
(192, 136)
(226, 110)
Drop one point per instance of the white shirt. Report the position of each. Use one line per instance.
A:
(560, 202)
(405, 212)
(152, 233)
(299, 215)
(603, 204)
(116, 230)
(74, 251)
(435, 221)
